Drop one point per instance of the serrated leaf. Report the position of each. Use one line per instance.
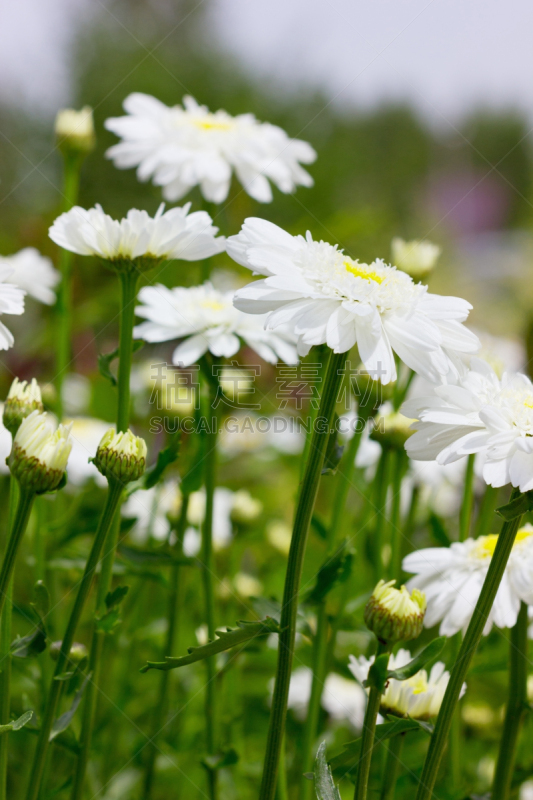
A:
(334, 450)
(17, 724)
(225, 640)
(105, 360)
(430, 652)
(378, 673)
(62, 722)
(108, 621)
(116, 597)
(520, 505)
(324, 786)
(386, 730)
(165, 458)
(150, 558)
(333, 571)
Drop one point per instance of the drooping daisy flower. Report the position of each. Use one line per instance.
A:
(326, 296)
(417, 258)
(479, 414)
(173, 234)
(452, 577)
(179, 148)
(11, 302)
(419, 697)
(34, 273)
(207, 320)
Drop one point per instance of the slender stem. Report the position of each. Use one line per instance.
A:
(170, 647)
(465, 518)
(455, 741)
(71, 176)
(320, 644)
(466, 653)
(24, 506)
(516, 707)
(210, 470)
(396, 532)
(114, 495)
(282, 789)
(304, 511)
(367, 739)
(486, 512)
(381, 487)
(5, 654)
(128, 282)
(392, 767)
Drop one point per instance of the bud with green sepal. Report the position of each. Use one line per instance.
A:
(391, 429)
(417, 258)
(121, 456)
(75, 131)
(78, 652)
(22, 399)
(394, 615)
(40, 453)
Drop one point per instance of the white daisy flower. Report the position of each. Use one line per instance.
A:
(151, 507)
(34, 273)
(11, 302)
(207, 320)
(173, 234)
(181, 147)
(479, 414)
(222, 527)
(452, 577)
(327, 297)
(86, 434)
(419, 697)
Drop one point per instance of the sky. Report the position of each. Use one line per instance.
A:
(443, 55)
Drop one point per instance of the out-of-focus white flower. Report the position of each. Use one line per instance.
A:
(151, 507)
(279, 534)
(246, 585)
(11, 302)
(75, 129)
(173, 234)
(76, 394)
(86, 434)
(417, 258)
(502, 353)
(40, 453)
(245, 508)
(33, 273)
(324, 296)
(419, 697)
(452, 578)
(526, 791)
(181, 147)
(207, 320)
(222, 527)
(6, 441)
(441, 485)
(480, 414)
(246, 432)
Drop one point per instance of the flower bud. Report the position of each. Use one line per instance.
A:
(40, 453)
(417, 258)
(121, 456)
(245, 508)
(394, 615)
(75, 130)
(391, 429)
(23, 398)
(78, 652)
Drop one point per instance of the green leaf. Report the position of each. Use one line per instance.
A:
(165, 458)
(520, 505)
(17, 724)
(116, 597)
(149, 558)
(393, 727)
(334, 450)
(225, 641)
(324, 786)
(30, 645)
(224, 759)
(430, 652)
(109, 621)
(319, 527)
(62, 722)
(334, 570)
(438, 531)
(194, 477)
(378, 673)
(42, 600)
(105, 359)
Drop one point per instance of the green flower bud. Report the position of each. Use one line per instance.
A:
(75, 131)
(121, 456)
(78, 652)
(394, 615)
(392, 430)
(40, 453)
(417, 258)
(23, 398)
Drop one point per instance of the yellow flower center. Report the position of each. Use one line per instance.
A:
(362, 271)
(528, 402)
(419, 683)
(214, 305)
(211, 123)
(486, 545)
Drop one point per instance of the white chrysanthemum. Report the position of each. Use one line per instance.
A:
(173, 234)
(151, 507)
(324, 296)
(40, 453)
(207, 320)
(33, 273)
(11, 302)
(86, 434)
(179, 148)
(222, 527)
(419, 697)
(417, 258)
(452, 577)
(479, 414)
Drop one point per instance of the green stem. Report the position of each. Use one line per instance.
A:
(282, 789)
(304, 511)
(465, 518)
(71, 177)
(128, 280)
(381, 486)
(22, 515)
(170, 647)
(466, 653)
(455, 743)
(396, 532)
(114, 495)
(516, 707)
(392, 767)
(320, 644)
(5, 654)
(367, 739)
(486, 512)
